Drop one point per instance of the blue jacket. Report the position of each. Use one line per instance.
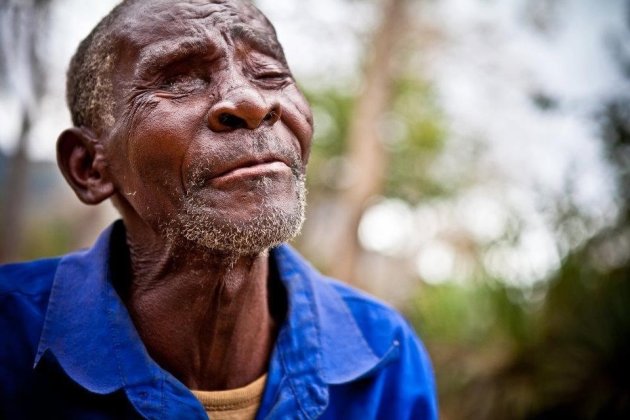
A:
(68, 349)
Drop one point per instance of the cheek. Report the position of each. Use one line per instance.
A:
(297, 116)
(159, 142)
(157, 146)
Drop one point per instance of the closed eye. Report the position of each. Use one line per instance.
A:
(184, 83)
(273, 79)
(272, 75)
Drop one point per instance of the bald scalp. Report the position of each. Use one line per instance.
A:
(89, 88)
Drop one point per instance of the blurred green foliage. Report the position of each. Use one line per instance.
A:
(413, 133)
(332, 110)
(415, 136)
(48, 237)
(555, 350)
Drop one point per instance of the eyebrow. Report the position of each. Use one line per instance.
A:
(261, 40)
(155, 56)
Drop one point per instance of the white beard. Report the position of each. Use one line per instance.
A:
(271, 227)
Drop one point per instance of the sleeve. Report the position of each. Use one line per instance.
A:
(400, 387)
(414, 380)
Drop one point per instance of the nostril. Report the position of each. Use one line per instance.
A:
(242, 112)
(270, 116)
(232, 121)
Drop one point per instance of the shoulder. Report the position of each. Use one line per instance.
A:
(380, 323)
(24, 297)
(28, 278)
(24, 293)
(403, 380)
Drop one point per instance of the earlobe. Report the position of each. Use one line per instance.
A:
(82, 162)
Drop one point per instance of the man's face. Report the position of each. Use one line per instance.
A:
(211, 134)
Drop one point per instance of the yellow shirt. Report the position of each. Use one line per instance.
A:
(233, 404)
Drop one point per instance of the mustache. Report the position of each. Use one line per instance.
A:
(261, 144)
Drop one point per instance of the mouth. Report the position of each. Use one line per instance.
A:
(250, 169)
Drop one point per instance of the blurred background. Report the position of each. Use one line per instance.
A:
(471, 166)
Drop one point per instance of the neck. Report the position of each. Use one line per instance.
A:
(202, 316)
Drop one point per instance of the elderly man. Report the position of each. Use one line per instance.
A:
(187, 117)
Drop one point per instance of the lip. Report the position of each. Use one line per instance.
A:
(247, 161)
(250, 170)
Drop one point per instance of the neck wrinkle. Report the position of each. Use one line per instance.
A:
(203, 317)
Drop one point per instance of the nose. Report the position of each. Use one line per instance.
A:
(243, 108)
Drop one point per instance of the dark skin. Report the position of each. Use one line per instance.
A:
(195, 95)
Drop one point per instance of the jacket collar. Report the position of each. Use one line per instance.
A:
(88, 331)
(320, 343)
(87, 328)
(337, 337)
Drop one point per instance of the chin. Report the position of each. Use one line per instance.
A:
(246, 229)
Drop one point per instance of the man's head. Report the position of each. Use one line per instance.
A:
(187, 115)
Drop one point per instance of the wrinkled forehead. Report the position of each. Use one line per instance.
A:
(146, 23)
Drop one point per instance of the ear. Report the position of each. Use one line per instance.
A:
(82, 161)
